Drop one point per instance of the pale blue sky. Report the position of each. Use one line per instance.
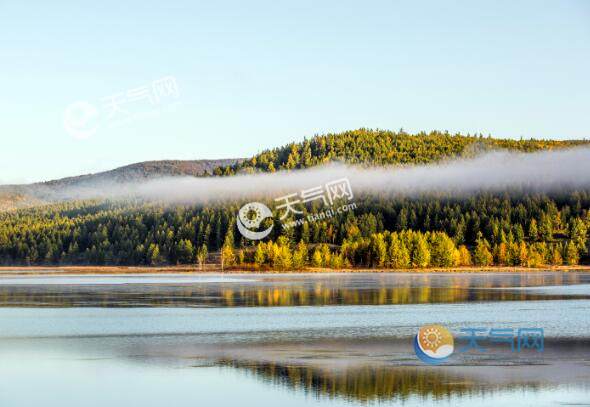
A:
(258, 74)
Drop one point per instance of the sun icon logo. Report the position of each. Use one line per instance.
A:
(431, 337)
(250, 216)
(433, 344)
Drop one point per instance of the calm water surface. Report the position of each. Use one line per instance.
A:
(338, 339)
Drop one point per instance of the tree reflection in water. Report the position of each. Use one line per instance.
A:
(366, 384)
(294, 290)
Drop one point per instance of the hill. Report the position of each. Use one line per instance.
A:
(147, 170)
(384, 147)
(21, 196)
(505, 228)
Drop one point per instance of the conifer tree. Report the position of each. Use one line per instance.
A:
(316, 259)
(202, 256)
(300, 255)
(533, 230)
(482, 255)
(420, 252)
(571, 254)
(399, 256)
(464, 256)
(259, 257)
(153, 256)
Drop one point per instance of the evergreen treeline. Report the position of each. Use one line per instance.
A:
(383, 231)
(383, 147)
(550, 229)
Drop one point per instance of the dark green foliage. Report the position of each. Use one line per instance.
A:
(139, 233)
(380, 147)
(117, 233)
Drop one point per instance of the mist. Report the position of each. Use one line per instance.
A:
(548, 171)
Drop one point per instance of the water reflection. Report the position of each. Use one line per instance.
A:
(128, 353)
(385, 383)
(293, 290)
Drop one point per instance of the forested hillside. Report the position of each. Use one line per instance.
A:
(509, 228)
(382, 147)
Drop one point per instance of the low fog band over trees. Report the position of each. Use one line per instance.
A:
(504, 228)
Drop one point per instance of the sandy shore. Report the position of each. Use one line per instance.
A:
(32, 270)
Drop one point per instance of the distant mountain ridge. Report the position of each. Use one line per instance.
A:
(148, 170)
(18, 196)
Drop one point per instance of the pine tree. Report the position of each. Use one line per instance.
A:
(227, 256)
(523, 254)
(337, 261)
(283, 260)
(202, 256)
(443, 250)
(241, 256)
(153, 256)
(513, 254)
(420, 252)
(464, 256)
(501, 254)
(533, 230)
(556, 258)
(379, 249)
(482, 255)
(546, 228)
(259, 257)
(326, 255)
(300, 255)
(578, 234)
(399, 256)
(184, 251)
(518, 232)
(316, 259)
(535, 256)
(571, 254)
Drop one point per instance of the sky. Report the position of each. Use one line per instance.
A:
(90, 86)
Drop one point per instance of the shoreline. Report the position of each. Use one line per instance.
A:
(189, 269)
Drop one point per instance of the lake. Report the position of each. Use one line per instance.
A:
(288, 339)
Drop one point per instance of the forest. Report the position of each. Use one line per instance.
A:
(384, 147)
(511, 228)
